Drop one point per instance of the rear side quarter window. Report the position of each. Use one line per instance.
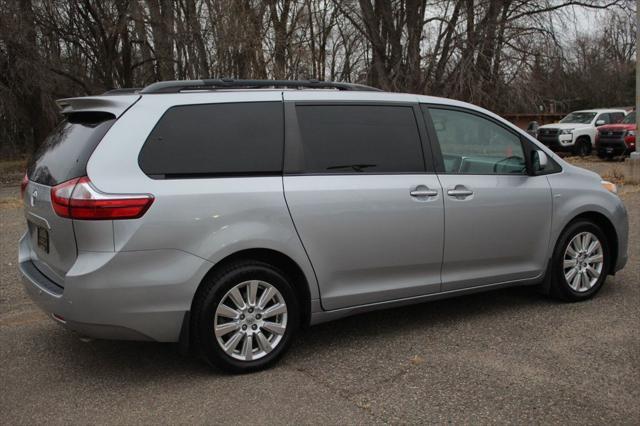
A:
(353, 139)
(215, 140)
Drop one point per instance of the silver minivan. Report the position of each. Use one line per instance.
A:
(228, 214)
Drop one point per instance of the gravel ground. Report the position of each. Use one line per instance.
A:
(507, 356)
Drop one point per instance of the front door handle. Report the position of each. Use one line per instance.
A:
(423, 191)
(459, 192)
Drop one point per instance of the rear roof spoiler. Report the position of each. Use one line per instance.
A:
(115, 105)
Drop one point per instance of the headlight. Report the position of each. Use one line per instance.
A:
(566, 131)
(609, 186)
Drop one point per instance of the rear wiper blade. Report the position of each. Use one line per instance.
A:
(355, 167)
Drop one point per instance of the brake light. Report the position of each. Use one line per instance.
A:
(23, 185)
(79, 199)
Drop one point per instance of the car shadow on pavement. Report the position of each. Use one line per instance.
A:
(149, 359)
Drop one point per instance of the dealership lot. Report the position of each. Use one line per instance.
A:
(505, 356)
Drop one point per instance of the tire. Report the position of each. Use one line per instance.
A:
(220, 299)
(582, 147)
(563, 283)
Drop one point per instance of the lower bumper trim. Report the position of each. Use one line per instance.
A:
(40, 280)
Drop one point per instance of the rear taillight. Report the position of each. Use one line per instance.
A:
(23, 185)
(78, 199)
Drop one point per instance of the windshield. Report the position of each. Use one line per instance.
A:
(630, 119)
(579, 117)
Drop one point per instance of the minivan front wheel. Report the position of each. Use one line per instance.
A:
(245, 317)
(581, 261)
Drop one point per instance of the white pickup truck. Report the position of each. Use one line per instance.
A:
(577, 131)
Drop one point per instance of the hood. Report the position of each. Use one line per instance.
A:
(564, 126)
(618, 126)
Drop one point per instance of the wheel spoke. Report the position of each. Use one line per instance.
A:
(237, 298)
(576, 244)
(252, 293)
(226, 328)
(595, 259)
(593, 246)
(575, 284)
(274, 327)
(266, 296)
(570, 251)
(227, 312)
(263, 343)
(274, 310)
(569, 275)
(586, 240)
(593, 272)
(585, 280)
(569, 263)
(247, 348)
(232, 343)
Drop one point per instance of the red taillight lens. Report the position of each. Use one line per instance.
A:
(23, 185)
(78, 199)
(61, 197)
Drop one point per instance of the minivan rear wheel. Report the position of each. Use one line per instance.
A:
(580, 262)
(245, 317)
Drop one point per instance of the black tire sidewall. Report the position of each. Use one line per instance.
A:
(581, 149)
(204, 315)
(560, 285)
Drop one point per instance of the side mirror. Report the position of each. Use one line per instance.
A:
(539, 160)
(600, 123)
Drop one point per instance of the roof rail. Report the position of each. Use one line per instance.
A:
(177, 86)
(123, 91)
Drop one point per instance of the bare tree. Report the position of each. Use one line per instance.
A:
(507, 55)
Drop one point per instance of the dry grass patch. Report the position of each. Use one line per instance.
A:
(614, 175)
(11, 171)
(13, 166)
(10, 203)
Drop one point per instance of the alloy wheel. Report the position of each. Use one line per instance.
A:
(583, 262)
(250, 320)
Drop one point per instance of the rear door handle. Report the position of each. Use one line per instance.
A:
(423, 191)
(459, 192)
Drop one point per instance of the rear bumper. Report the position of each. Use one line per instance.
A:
(141, 295)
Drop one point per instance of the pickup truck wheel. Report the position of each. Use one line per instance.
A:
(582, 147)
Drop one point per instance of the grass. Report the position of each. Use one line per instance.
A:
(13, 166)
(11, 171)
(10, 203)
(615, 175)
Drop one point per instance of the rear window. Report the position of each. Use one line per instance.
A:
(64, 154)
(216, 140)
(360, 139)
(616, 117)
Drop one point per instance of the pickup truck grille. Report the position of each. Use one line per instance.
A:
(612, 134)
(548, 132)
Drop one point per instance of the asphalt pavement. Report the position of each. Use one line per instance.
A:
(509, 356)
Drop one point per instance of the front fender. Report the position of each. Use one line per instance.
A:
(577, 191)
